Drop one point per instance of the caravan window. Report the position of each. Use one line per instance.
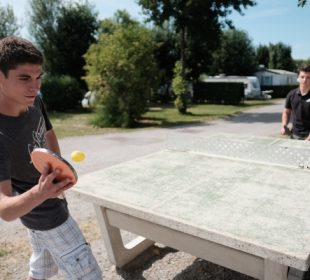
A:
(255, 84)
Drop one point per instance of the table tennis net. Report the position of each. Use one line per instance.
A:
(272, 153)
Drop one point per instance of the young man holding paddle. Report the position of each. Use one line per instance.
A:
(56, 240)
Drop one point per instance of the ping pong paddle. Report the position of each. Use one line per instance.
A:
(41, 156)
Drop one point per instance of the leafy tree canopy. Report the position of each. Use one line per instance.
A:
(302, 3)
(198, 24)
(8, 22)
(236, 55)
(280, 57)
(63, 31)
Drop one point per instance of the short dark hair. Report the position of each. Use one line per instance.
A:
(15, 51)
(304, 68)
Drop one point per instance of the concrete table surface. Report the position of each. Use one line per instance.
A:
(256, 208)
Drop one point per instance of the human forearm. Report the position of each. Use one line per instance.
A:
(285, 120)
(13, 207)
(285, 117)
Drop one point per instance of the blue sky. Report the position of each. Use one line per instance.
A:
(270, 21)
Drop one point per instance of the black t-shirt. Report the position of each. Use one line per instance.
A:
(18, 137)
(300, 106)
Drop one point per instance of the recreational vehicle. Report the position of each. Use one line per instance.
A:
(251, 84)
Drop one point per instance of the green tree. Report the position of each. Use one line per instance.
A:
(197, 23)
(43, 25)
(262, 55)
(76, 29)
(280, 57)
(236, 55)
(120, 18)
(302, 3)
(121, 68)
(167, 52)
(179, 88)
(8, 22)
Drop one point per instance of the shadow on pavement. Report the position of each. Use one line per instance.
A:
(134, 270)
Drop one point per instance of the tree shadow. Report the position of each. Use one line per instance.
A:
(248, 117)
(134, 270)
(201, 269)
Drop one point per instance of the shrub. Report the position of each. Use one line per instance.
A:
(279, 91)
(122, 69)
(179, 89)
(61, 93)
(221, 93)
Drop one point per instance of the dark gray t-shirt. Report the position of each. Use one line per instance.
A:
(18, 137)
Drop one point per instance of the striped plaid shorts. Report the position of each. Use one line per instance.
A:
(63, 248)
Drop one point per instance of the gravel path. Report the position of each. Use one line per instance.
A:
(159, 262)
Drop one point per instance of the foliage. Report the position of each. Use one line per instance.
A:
(61, 93)
(280, 57)
(302, 3)
(219, 93)
(64, 31)
(300, 62)
(198, 25)
(236, 54)
(179, 89)
(42, 26)
(121, 68)
(279, 91)
(76, 31)
(8, 22)
(262, 55)
(120, 18)
(166, 53)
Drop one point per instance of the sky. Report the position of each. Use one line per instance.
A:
(270, 21)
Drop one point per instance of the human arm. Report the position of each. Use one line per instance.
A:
(13, 207)
(52, 141)
(286, 115)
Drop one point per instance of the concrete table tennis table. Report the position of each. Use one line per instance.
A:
(238, 201)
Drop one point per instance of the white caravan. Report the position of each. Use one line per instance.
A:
(251, 84)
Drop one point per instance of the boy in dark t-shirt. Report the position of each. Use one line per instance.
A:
(297, 106)
(56, 240)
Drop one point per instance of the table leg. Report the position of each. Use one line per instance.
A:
(118, 253)
(295, 274)
(274, 271)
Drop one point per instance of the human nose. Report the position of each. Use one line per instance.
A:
(35, 85)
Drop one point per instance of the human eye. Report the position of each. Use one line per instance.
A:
(40, 76)
(24, 78)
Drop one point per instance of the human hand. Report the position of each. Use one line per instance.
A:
(47, 187)
(285, 130)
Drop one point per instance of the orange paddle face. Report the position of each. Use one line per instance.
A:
(41, 157)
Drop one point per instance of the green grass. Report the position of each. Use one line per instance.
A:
(159, 115)
(3, 253)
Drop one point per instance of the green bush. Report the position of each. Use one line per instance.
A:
(218, 93)
(61, 93)
(122, 69)
(179, 89)
(279, 91)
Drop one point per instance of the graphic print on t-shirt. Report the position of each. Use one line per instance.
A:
(38, 137)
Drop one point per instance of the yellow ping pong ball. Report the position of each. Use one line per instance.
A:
(77, 156)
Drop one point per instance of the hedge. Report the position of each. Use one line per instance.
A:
(218, 93)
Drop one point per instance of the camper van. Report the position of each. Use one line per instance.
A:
(252, 88)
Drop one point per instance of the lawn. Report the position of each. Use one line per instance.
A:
(159, 115)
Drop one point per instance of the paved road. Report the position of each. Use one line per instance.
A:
(109, 149)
